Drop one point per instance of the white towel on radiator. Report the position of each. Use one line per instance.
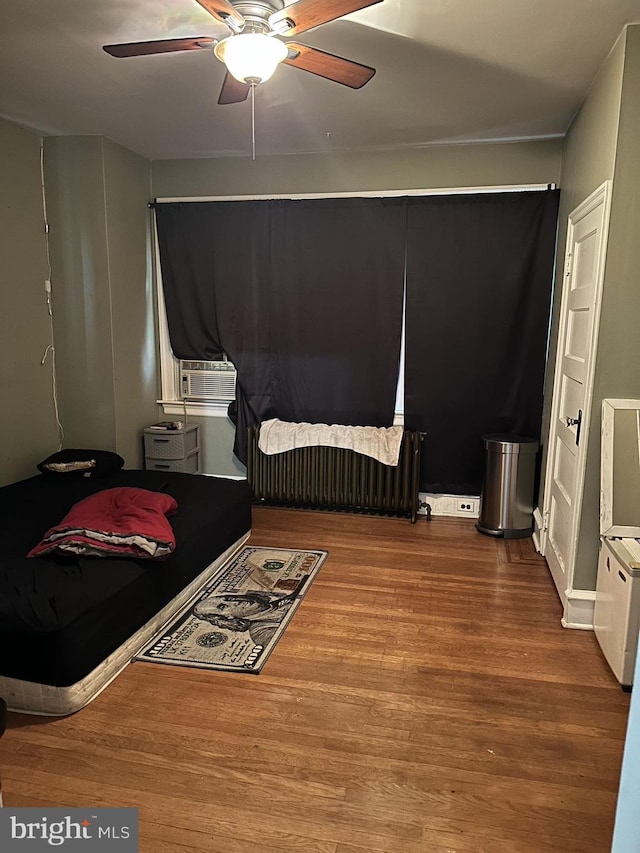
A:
(381, 443)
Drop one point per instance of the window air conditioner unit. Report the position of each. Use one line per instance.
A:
(207, 380)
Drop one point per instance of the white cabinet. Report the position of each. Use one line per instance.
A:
(616, 617)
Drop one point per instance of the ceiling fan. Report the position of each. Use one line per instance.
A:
(254, 49)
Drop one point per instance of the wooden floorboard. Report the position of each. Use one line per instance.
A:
(424, 699)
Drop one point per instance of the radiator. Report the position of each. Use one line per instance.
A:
(336, 479)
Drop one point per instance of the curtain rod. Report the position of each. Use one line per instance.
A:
(362, 194)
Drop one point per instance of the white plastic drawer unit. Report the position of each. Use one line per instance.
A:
(616, 617)
(189, 465)
(171, 444)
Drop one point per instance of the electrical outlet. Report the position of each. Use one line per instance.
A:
(449, 505)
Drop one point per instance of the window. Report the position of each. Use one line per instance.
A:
(173, 399)
(191, 388)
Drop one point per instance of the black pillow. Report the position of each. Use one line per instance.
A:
(80, 463)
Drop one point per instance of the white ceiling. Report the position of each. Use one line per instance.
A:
(447, 71)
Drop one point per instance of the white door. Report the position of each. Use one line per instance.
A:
(575, 361)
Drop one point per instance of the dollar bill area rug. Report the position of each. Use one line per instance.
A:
(239, 616)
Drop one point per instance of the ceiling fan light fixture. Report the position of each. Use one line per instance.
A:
(251, 57)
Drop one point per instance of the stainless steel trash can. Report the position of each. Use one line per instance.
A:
(506, 503)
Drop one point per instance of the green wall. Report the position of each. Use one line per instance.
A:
(601, 145)
(103, 304)
(82, 310)
(617, 373)
(430, 167)
(28, 430)
(134, 345)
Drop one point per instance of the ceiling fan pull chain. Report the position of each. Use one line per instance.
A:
(253, 120)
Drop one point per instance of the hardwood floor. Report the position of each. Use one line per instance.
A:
(424, 698)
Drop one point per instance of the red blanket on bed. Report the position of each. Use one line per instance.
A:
(125, 522)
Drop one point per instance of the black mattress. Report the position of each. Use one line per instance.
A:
(60, 617)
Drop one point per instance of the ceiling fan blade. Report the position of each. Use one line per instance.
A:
(329, 66)
(223, 11)
(147, 48)
(233, 92)
(305, 14)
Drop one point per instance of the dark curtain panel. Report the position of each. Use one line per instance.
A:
(305, 297)
(337, 286)
(479, 279)
(215, 260)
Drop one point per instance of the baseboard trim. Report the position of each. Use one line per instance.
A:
(578, 609)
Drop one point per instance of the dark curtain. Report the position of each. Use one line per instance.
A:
(336, 309)
(216, 280)
(305, 297)
(479, 280)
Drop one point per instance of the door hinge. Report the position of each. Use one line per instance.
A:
(568, 265)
